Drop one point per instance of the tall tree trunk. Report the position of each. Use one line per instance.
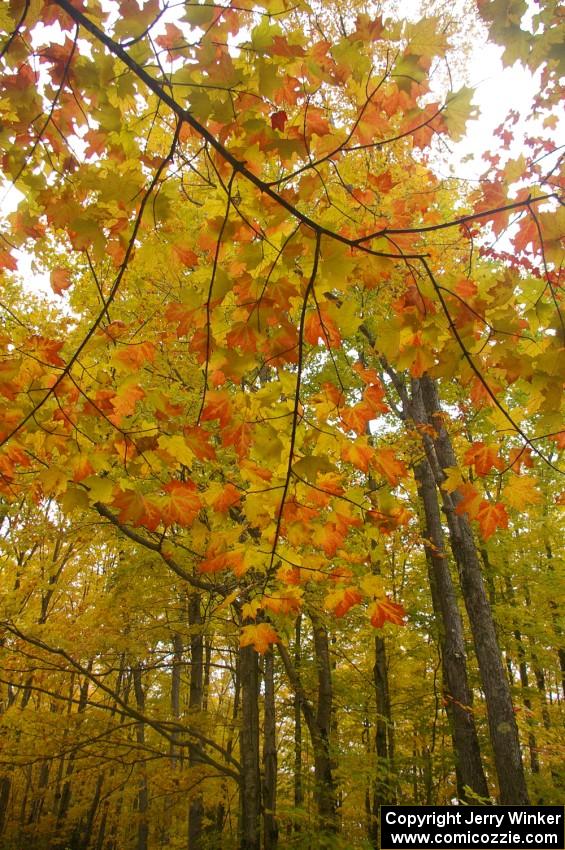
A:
(298, 785)
(142, 802)
(502, 722)
(325, 790)
(250, 788)
(196, 805)
(383, 790)
(270, 826)
(457, 692)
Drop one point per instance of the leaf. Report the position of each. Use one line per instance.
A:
(385, 610)
(483, 458)
(340, 601)
(218, 406)
(458, 111)
(388, 465)
(136, 509)
(182, 503)
(470, 500)
(278, 120)
(490, 516)
(453, 479)
(60, 280)
(521, 492)
(261, 637)
(358, 453)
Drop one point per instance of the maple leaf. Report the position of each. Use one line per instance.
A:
(125, 400)
(137, 355)
(278, 120)
(187, 258)
(261, 637)
(386, 462)
(385, 610)
(60, 280)
(521, 492)
(182, 503)
(288, 601)
(228, 497)
(483, 458)
(218, 406)
(470, 500)
(358, 453)
(137, 509)
(490, 516)
(341, 600)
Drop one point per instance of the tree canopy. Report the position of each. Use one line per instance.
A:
(280, 454)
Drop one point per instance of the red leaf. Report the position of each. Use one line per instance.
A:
(278, 120)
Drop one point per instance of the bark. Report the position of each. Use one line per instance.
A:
(298, 785)
(502, 722)
(142, 802)
(325, 787)
(452, 645)
(383, 790)
(250, 788)
(196, 804)
(270, 826)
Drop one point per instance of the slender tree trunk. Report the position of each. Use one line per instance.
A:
(452, 645)
(325, 790)
(250, 789)
(270, 826)
(298, 785)
(142, 802)
(196, 805)
(502, 722)
(383, 788)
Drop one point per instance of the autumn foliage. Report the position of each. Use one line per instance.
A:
(290, 373)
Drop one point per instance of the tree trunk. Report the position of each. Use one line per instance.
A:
(270, 826)
(142, 803)
(298, 786)
(196, 804)
(457, 692)
(250, 789)
(502, 722)
(325, 790)
(383, 790)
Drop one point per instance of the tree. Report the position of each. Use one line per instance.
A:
(288, 387)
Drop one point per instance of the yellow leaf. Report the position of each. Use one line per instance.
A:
(521, 492)
(260, 637)
(453, 479)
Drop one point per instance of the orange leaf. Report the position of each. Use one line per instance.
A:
(470, 500)
(218, 406)
(340, 601)
(386, 462)
(490, 516)
(229, 496)
(136, 356)
(182, 503)
(186, 256)
(260, 637)
(136, 509)
(60, 280)
(358, 453)
(483, 458)
(383, 610)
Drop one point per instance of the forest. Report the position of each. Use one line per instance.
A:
(281, 442)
